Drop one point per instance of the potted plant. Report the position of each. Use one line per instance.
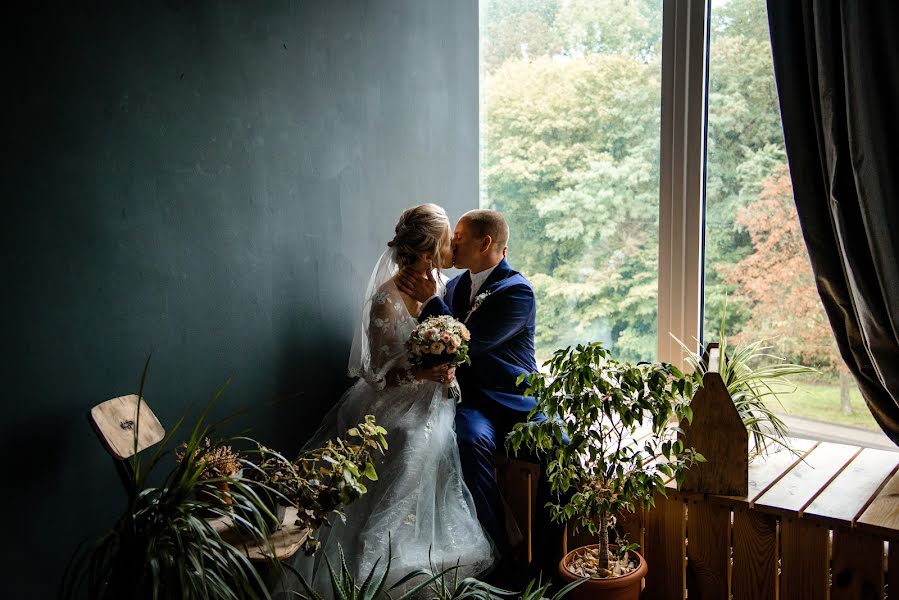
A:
(216, 461)
(271, 477)
(332, 476)
(596, 463)
(752, 375)
(164, 544)
(319, 481)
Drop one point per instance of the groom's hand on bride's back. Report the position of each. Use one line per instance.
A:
(418, 286)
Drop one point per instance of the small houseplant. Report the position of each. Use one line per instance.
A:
(165, 545)
(596, 463)
(425, 582)
(320, 480)
(216, 461)
(752, 375)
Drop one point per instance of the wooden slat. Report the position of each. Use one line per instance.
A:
(806, 479)
(665, 536)
(755, 555)
(765, 471)
(631, 524)
(708, 550)
(857, 566)
(882, 516)
(804, 559)
(892, 578)
(849, 493)
(517, 481)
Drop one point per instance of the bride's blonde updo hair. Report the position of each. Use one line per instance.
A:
(418, 232)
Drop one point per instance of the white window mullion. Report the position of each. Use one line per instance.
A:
(681, 171)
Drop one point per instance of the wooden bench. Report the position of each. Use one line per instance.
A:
(517, 480)
(824, 522)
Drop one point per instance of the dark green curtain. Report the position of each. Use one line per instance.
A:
(837, 69)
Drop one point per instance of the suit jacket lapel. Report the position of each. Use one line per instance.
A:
(499, 273)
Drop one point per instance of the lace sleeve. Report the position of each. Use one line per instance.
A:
(387, 364)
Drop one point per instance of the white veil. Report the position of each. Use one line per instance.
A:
(360, 353)
(360, 363)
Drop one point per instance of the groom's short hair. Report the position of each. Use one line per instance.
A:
(488, 222)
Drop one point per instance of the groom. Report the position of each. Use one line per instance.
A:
(498, 306)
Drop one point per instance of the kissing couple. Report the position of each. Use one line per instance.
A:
(436, 496)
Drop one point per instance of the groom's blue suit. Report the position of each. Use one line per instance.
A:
(501, 349)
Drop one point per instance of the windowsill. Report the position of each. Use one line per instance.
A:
(810, 429)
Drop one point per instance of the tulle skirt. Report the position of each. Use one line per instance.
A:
(419, 502)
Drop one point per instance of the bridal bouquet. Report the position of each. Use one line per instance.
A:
(438, 341)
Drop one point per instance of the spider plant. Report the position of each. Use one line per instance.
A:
(345, 587)
(752, 375)
(163, 546)
(471, 588)
(435, 585)
(536, 590)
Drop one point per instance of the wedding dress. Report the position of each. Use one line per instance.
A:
(420, 498)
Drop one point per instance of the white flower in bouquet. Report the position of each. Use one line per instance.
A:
(440, 340)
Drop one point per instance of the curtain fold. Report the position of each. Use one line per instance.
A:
(836, 64)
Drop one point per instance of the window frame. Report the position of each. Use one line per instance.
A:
(685, 43)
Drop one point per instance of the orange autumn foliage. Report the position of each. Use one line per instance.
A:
(777, 281)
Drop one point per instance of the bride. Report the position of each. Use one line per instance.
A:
(419, 498)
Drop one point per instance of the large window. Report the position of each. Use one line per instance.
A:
(583, 130)
(571, 100)
(755, 259)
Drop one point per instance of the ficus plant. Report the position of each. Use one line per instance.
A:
(599, 460)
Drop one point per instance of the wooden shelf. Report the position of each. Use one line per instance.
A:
(283, 544)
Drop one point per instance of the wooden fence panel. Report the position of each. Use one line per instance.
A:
(882, 516)
(755, 556)
(857, 566)
(849, 493)
(892, 579)
(804, 481)
(804, 559)
(708, 551)
(665, 536)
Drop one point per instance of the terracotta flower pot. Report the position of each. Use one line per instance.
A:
(623, 587)
(226, 492)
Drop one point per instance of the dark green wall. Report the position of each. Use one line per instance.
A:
(209, 182)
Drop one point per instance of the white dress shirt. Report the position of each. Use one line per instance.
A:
(477, 280)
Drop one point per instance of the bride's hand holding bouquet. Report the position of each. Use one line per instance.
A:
(439, 344)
